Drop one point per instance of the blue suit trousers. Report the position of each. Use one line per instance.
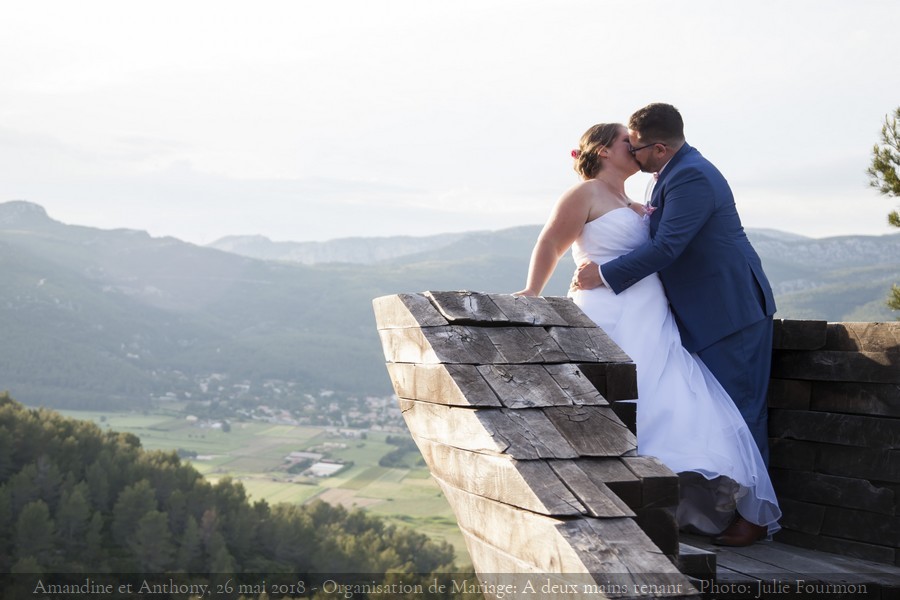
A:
(742, 362)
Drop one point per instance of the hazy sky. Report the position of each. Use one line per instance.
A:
(312, 120)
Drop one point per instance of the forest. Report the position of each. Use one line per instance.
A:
(77, 502)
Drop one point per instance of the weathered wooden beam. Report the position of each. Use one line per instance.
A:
(587, 344)
(832, 365)
(873, 399)
(530, 386)
(862, 550)
(789, 393)
(615, 550)
(522, 434)
(531, 484)
(592, 430)
(406, 310)
(466, 307)
(576, 384)
(833, 490)
(798, 335)
(833, 428)
(541, 472)
(862, 526)
(659, 484)
(457, 385)
(863, 337)
(569, 311)
(596, 496)
(615, 381)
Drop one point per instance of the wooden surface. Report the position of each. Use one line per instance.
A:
(771, 570)
(514, 403)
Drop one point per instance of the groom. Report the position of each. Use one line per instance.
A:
(714, 280)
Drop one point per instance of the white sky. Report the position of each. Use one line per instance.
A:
(312, 120)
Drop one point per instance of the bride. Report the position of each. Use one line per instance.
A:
(685, 418)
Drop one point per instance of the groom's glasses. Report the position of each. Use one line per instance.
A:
(634, 151)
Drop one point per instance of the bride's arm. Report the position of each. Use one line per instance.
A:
(562, 228)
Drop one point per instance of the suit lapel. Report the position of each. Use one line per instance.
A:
(657, 198)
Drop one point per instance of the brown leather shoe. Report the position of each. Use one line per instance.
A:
(740, 533)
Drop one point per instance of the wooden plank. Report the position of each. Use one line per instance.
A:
(843, 546)
(626, 410)
(801, 516)
(881, 399)
(620, 546)
(614, 474)
(792, 454)
(867, 463)
(406, 310)
(597, 498)
(504, 576)
(524, 386)
(660, 526)
(463, 344)
(833, 428)
(450, 425)
(535, 311)
(529, 434)
(833, 490)
(465, 307)
(696, 562)
(587, 344)
(521, 434)
(532, 538)
(798, 335)
(804, 563)
(517, 345)
(789, 393)
(862, 526)
(614, 381)
(569, 311)
(458, 385)
(592, 430)
(531, 485)
(576, 384)
(865, 337)
(406, 345)
(659, 483)
(830, 365)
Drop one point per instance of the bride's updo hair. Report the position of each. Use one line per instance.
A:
(595, 139)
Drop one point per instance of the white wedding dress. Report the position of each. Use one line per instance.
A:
(685, 417)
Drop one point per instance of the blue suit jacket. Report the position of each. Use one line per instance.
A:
(712, 275)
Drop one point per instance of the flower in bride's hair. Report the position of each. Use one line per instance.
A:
(576, 153)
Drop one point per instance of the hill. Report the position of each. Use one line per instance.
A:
(90, 504)
(118, 319)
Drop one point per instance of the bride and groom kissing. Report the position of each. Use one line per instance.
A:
(677, 285)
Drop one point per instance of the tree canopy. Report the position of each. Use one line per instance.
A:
(884, 175)
(75, 499)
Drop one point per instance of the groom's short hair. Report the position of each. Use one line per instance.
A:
(658, 122)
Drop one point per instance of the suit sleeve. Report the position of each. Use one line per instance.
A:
(689, 203)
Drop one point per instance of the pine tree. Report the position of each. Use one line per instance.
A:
(884, 174)
(152, 543)
(72, 517)
(34, 533)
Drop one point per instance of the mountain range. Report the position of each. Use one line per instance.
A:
(116, 318)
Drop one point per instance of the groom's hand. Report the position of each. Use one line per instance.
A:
(587, 277)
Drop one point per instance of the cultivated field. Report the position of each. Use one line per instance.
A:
(254, 454)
